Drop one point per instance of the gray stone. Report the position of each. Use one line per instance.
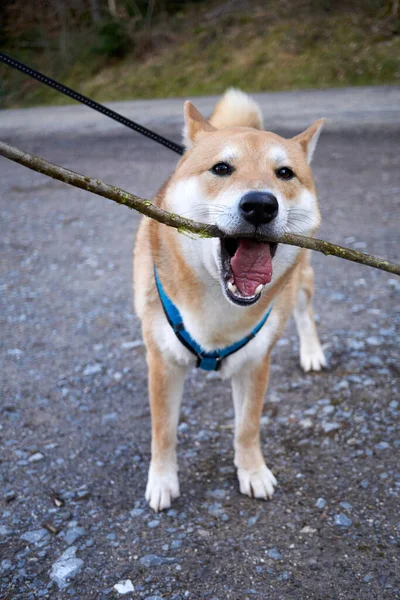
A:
(73, 534)
(109, 418)
(132, 345)
(66, 567)
(124, 587)
(216, 509)
(330, 426)
(320, 503)
(342, 520)
(346, 505)
(154, 523)
(6, 564)
(253, 520)
(274, 554)
(152, 560)
(37, 457)
(93, 369)
(33, 537)
(218, 494)
(382, 446)
(4, 530)
(136, 512)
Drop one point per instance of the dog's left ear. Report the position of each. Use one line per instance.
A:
(308, 139)
(195, 125)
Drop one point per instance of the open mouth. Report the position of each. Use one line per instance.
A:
(246, 268)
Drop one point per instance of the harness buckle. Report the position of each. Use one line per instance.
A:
(208, 363)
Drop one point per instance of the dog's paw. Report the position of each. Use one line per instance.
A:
(162, 488)
(312, 357)
(257, 483)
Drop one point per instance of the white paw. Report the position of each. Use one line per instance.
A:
(258, 483)
(312, 357)
(162, 487)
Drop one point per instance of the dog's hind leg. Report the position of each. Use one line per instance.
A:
(312, 356)
(248, 387)
(165, 389)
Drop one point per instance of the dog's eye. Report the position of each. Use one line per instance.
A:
(222, 169)
(285, 173)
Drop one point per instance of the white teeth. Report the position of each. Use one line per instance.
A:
(232, 287)
(259, 289)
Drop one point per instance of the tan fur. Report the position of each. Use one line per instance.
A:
(236, 109)
(160, 245)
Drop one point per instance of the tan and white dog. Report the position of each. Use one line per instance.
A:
(245, 180)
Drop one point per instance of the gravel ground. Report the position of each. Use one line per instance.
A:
(75, 423)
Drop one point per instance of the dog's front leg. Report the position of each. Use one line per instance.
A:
(248, 387)
(165, 389)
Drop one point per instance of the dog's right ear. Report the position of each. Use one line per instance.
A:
(195, 125)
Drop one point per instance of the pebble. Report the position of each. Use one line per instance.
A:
(374, 341)
(152, 560)
(218, 494)
(92, 369)
(37, 457)
(342, 520)
(274, 554)
(15, 352)
(320, 503)
(6, 564)
(382, 446)
(109, 418)
(136, 512)
(369, 577)
(124, 587)
(10, 496)
(33, 537)
(66, 567)
(330, 426)
(154, 523)
(346, 505)
(364, 484)
(217, 510)
(73, 534)
(308, 529)
(131, 345)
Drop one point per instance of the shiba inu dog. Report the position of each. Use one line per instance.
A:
(223, 303)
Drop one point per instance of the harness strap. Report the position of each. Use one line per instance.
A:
(208, 361)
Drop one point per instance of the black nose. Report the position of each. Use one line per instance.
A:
(259, 207)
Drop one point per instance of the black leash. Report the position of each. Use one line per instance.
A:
(63, 89)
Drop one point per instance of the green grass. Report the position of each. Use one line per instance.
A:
(277, 47)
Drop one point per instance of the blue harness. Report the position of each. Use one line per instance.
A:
(208, 361)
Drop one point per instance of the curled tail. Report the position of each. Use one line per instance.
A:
(236, 109)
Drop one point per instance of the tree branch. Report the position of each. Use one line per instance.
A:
(182, 224)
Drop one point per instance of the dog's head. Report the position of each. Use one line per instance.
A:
(245, 181)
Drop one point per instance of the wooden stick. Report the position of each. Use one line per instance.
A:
(182, 224)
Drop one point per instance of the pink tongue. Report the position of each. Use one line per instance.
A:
(251, 265)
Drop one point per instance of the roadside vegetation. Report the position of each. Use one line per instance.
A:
(126, 49)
